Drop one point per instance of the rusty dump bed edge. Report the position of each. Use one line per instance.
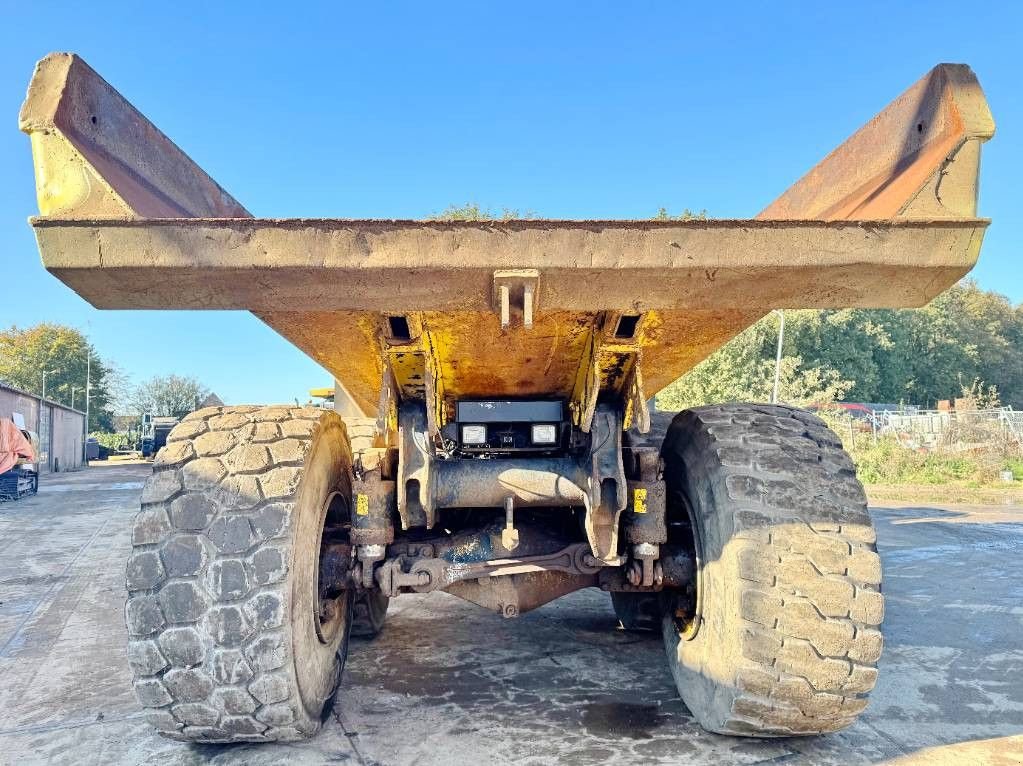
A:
(401, 266)
(504, 308)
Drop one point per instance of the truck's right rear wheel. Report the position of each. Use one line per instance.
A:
(781, 634)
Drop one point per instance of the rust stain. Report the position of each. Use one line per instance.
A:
(477, 359)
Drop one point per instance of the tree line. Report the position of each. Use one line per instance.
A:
(911, 356)
(68, 360)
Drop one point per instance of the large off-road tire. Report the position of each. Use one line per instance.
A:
(228, 638)
(782, 636)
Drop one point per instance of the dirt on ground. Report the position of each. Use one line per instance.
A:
(880, 494)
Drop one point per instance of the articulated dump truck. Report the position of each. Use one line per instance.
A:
(491, 435)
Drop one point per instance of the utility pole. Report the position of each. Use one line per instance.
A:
(39, 415)
(72, 397)
(777, 358)
(88, 386)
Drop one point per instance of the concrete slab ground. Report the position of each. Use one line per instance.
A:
(448, 683)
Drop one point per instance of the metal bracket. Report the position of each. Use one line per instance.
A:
(514, 294)
(387, 404)
(373, 502)
(415, 479)
(609, 367)
(608, 490)
(433, 388)
(411, 372)
(510, 535)
(637, 411)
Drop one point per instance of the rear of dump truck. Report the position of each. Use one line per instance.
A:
(492, 436)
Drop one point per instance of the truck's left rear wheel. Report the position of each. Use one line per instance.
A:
(230, 638)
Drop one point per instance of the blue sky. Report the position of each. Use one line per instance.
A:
(571, 110)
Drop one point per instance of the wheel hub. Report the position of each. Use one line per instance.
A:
(333, 587)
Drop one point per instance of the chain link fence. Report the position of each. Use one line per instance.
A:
(999, 428)
(908, 445)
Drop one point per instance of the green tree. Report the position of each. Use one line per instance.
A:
(168, 395)
(964, 334)
(743, 370)
(853, 342)
(62, 352)
(916, 356)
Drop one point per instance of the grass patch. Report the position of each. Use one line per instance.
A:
(1015, 465)
(886, 461)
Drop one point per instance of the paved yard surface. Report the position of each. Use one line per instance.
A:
(449, 684)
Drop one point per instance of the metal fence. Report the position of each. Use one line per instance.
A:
(962, 429)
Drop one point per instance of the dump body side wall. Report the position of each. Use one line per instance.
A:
(109, 182)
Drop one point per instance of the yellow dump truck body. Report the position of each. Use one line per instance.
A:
(447, 310)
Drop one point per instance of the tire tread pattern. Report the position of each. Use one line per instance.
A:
(207, 577)
(810, 600)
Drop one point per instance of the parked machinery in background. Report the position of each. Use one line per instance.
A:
(94, 450)
(19, 451)
(154, 432)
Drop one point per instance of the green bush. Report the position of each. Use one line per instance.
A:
(889, 462)
(1015, 465)
(111, 441)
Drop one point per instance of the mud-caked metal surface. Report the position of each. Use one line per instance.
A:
(446, 682)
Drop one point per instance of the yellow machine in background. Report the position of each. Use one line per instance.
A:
(326, 395)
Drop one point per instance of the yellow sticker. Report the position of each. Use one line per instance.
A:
(362, 505)
(639, 500)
